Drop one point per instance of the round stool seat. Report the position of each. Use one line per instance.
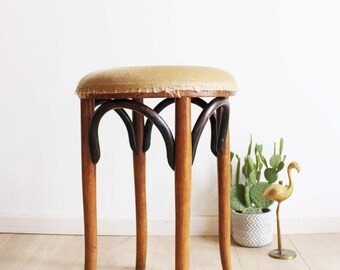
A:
(157, 81)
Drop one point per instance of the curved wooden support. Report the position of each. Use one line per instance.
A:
(165, 103)
(203, 104)
(137, 107)
(148, 125)
(128, 124)
(207, 113)
(130, 129)
(224, 125)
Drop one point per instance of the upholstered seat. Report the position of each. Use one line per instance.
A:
(157, 81)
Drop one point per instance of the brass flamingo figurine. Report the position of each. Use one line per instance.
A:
(280, 193)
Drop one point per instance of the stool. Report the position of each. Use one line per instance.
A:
(125, 88)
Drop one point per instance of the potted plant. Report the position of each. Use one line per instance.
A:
(251, 219)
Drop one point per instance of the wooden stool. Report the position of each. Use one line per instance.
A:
(125, 88)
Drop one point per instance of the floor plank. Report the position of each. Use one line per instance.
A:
(258, 258)
(205, 254)
(4, 238)
(52, 252)
(116, 252)
(119, 253)
(27, 252)
(320, 251)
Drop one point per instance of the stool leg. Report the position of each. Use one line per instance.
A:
(89, 187)
(223, 169)
(140, 193)
(183, 160)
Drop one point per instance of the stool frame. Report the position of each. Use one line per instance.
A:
(181, 151)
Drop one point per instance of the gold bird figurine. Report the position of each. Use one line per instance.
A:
(280, 193)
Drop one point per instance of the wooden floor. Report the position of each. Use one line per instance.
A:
(47, 252)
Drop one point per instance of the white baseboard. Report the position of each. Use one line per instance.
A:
(200, 225)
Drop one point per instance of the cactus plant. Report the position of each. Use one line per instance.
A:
(247, 197)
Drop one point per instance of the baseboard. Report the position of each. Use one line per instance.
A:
(310, 224)
(200, 225)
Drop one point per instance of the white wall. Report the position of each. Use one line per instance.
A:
(284, 54)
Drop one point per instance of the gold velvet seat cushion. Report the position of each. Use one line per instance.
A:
(157, 81)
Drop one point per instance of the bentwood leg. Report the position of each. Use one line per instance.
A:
(223, 170)
(183, 160)
(89, 187)
(140, 193)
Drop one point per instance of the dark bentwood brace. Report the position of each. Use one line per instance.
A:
(118, 105)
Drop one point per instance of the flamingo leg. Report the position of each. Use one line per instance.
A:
(278, 228)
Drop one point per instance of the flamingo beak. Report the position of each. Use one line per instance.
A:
(297, 167)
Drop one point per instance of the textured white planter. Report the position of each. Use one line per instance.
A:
(252, 230)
